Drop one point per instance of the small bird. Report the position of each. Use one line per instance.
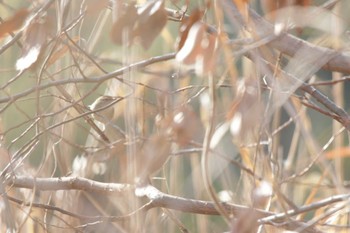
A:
(103, 108)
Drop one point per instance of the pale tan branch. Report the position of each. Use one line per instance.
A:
(159, 199)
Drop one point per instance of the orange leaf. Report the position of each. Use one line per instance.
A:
(342, 152)
(242, 6)
(246, 157)
(13, 23)
(273, 5)
(191, 47)
(186, 25)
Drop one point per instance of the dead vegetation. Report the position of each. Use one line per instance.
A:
(174, 116)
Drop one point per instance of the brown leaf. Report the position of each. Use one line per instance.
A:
(143, 24)
(245, 222)
(94, 7)
(152, 19)
(246, 110)
(123, 26)
(242, 6)
(184, 125)
(34, 38)
(191, 47)
(198, 49)
(196, 45)
(186, 25)
(153, 156)
(13, 23)
(273, 5)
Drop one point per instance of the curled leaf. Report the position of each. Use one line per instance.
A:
(186, 25)
(191, 48)
(34, 38)
(198, 49)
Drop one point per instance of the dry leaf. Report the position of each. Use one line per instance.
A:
(197, 47)
(242, 6)
(302, 16)
(186, 25)
(13, 23)
(192, 46)
(246, 221)
(153, 156)
(341, 152)
(152, 19)
(143, 24)
(123, 26)
(270, 6)
(246, 111)
(34, 38)
(94, 7)
(184, 125)
(273, 5)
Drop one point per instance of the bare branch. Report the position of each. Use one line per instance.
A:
(68, 183)
(160, 199)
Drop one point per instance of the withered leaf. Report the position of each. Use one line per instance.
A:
(152, 19)
(143, 24)
(186, 25)
(94, 7)
(191, 48)
(242, 6)
(13, 23)
(34, 38)
(123, 30)
(273, 5)
(153, 156)
(246, 110)
(198, 49)
(184, 125)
